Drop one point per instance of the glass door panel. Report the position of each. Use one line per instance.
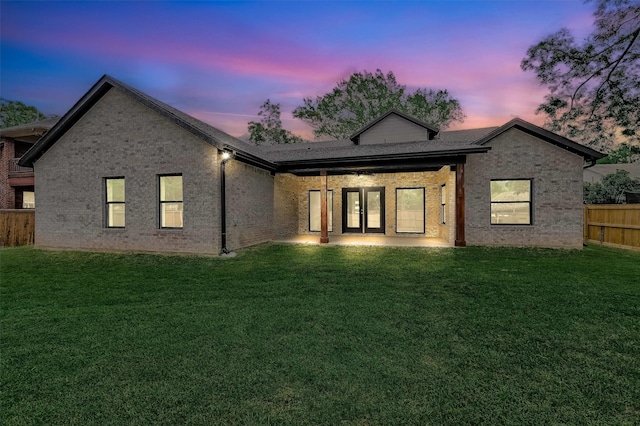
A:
(363, 210)
(351, 210)
(374, 210)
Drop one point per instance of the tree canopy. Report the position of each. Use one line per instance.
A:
(269, 129)
(612, 188)
(365, 96)
(14, 113)
(594, 86)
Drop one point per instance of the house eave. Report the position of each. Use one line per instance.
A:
(97, 91)
(408, 162)
(589, 154)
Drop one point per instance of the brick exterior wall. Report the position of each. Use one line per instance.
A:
(557, 192)
(120, 137)
(7, 193)
(249, 205)
(291, 197)
(286, 204)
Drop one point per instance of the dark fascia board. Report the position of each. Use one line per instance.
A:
(356, 136)
(587, 153)
(404, 168)
(66, 122)
(251, 159)
(388, 162)
(389, 166)
(99, 89)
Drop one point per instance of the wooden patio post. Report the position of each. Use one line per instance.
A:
(324, 229)
(460, 238)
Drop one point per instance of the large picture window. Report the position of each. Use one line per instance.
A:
(171, 201)
(314, 210)
(511, 202)
(410, 210)
(115, 202)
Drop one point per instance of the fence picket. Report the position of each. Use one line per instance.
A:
(17, 227)
(613, 224)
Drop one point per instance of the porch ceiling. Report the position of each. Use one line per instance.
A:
(370, 165)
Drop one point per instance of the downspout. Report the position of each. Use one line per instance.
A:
(592, 162)
(226, 156)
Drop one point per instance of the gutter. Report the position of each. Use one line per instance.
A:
(592, 162)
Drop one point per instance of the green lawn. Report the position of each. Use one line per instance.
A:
(288, 334)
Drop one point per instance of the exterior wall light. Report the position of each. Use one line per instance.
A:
(226, 155)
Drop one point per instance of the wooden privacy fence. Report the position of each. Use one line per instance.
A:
(613, 224)
(17, 227)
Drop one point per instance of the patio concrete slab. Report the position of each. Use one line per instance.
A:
(368, 240)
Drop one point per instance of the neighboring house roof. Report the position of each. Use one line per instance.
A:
(310, 157)
(432, 131)
(560, 141)
(597, 172)
(34, 128)
(209, 134)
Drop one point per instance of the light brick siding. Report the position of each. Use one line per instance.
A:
(287, 191)
(557, 192)
(292, 200)
(249, 205)
(120, 137)
(393, 129)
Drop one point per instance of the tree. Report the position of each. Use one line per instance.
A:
(624, 153)
(612, 188)
(594, 87)
(365, 96)
(269, 129)
(13, 113)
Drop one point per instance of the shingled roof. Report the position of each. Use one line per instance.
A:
(339, 156)
(34, 128)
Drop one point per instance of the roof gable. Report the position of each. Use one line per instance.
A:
(431, 131)
(207, 133)
(587, 153)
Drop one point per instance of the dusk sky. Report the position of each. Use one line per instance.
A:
(219, 61)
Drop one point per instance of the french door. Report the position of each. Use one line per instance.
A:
(363, 210)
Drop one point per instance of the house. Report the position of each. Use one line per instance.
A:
(16, 182)
(122, 170)
(597, 172)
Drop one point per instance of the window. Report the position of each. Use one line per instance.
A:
(443, 204)
(410, 210)
(511, 202)
(28, 200)
(314, 210)
(171, 201)
(115, 205)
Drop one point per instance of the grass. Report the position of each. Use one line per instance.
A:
(286, 334)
